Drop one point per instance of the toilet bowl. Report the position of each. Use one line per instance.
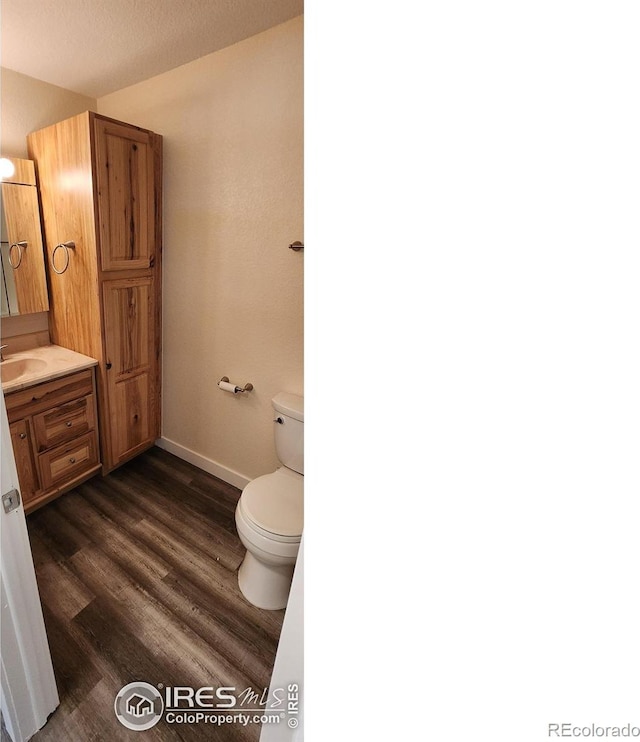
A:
(269, 515)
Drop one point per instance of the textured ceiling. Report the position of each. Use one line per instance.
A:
(97, 46)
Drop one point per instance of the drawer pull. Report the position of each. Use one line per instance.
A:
(23, 436)
(72, 460)
(69, 423)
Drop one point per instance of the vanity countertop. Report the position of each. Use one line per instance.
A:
(29, 367)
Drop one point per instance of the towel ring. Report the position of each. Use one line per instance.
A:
(21, 247)
(66, 246)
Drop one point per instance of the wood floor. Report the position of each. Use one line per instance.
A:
(137, 574)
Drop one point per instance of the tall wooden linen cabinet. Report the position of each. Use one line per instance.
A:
(100, 184)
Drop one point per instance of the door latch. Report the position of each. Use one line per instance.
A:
(11, 500)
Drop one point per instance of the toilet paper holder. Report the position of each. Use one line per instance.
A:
(246, 388)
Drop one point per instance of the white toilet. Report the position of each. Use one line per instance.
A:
(269, 515)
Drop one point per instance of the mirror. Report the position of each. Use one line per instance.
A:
(24, 282)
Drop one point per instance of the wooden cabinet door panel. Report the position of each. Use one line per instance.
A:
(131, 425)
(25, 462)
(129, 349)
(128, 319)
(124, 174)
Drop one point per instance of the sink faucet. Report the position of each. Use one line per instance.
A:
(2, 347)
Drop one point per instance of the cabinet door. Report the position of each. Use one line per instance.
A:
(25, 462)
(131, 367)
(124, 175)
(24, 267)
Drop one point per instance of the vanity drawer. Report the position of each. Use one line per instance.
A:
(69, 460)
(64, 422)
(44, 396)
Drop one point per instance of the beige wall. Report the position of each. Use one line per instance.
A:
(27, 105)
(233, 201)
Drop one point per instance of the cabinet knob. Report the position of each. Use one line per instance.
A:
(23, 436)
(108, 366)
(72, 460)
(69, 424)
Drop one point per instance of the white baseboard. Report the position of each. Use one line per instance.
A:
(202, 462)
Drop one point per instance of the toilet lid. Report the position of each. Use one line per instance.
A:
(275, 502)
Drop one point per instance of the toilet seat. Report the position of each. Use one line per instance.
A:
(273, 505)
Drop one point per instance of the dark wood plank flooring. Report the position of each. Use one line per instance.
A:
(137, 574)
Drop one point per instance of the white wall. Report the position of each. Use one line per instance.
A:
(232, 124)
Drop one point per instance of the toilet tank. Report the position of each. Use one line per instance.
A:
(289, 430)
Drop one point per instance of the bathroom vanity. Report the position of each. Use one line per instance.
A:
(50, 395)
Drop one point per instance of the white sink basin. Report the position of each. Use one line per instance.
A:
(14, 368)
